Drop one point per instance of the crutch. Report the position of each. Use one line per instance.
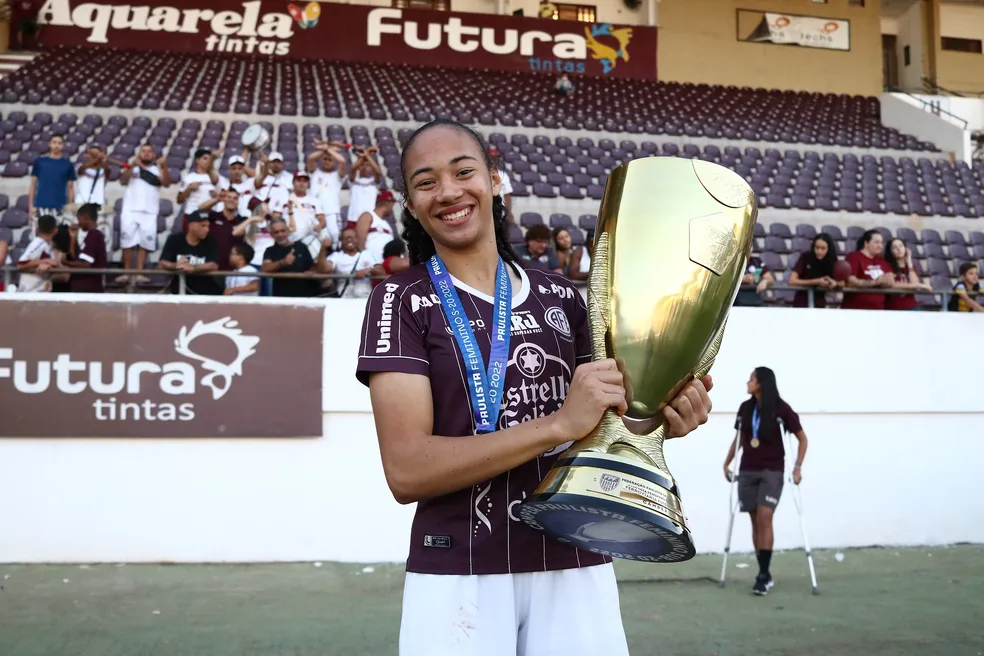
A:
(732, 506)
(797, 498)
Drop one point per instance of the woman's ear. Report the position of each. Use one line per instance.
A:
(496, 181)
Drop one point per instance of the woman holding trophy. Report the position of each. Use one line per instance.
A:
(467, 442)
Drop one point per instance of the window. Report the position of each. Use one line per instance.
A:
(436, 5)
(905, 56)
(582, 13)
(855, 3)
(962, 45)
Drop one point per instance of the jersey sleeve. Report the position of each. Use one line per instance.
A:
(168, 253)
(392, 338)
(183, 184)
(790, 419)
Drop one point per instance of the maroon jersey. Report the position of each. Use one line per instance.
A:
(770, 453)
(866, 268)
(477, 530)
(91, 249)
(901, 301)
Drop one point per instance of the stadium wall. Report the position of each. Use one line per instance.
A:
(961, 71)
(893, 421)
(698, 43)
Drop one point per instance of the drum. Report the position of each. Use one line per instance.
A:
(256, 137)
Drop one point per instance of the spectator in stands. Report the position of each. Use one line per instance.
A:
(24, 23)
(303, 213)
(978, 155)
(967, 291)
(87, 251)
(507, 190)
(373, 229)
(365, 179)
(198, 185)
(868, 269)
(272, 180)
(579, 265)
(223, 218)
(350, 261)
(327, 166)
(91, 187)
(287, 257)
(143, 180)
(4, 255)
(51, 182)
(536, 253)
(395, 259)
(757, 275)
(240, 180)
(562, 247)
(899, 258)
(38, 258)
(564, 87)
(815, 268)
(241, 258)
(194, 252)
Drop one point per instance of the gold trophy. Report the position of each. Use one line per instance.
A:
(670, 252)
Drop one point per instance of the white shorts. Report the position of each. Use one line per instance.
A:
(138, 229)
(570, 612)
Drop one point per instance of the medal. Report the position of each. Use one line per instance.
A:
(756, 422)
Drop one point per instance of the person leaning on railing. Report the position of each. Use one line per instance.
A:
(815, 268)
(899, 257)
(967, 291)
(868, 269)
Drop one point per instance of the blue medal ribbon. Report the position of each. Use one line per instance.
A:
(756, 422)
(484, 386)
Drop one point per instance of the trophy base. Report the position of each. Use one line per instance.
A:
(611, 505)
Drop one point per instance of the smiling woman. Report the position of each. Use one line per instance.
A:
(468, 442)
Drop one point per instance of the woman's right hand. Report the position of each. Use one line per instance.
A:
(727, 473)
(595, 387)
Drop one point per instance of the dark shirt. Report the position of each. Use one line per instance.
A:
(53, 175)
(770, 453)
(546, 262)
(957, 304)
(901, 301)
(809, 268)
(405, 330)
(92, 249)
(220, 229)
(302, 262)
(177, 249)
(750, 297)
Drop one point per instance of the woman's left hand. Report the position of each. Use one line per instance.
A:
(689, 409)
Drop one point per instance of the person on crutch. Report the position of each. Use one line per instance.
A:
(762, 466)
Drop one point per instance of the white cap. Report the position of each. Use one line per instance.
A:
(275, 157)
(236, 159)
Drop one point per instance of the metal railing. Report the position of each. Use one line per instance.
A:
(769, 298)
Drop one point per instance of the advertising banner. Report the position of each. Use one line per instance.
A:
(358, 33)
(790, 29)
(138, 370)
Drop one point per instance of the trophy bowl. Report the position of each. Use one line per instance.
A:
(670, 250)
(256, 138)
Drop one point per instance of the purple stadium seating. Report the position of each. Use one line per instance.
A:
(196, 83)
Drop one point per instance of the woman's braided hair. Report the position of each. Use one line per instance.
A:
(419, 243)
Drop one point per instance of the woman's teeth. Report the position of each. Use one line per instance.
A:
(457, 215)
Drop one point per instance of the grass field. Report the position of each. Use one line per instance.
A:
(874, 602)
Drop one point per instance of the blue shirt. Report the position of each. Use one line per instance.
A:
(53, 176)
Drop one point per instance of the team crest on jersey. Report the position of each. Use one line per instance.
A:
(524, 323)
(608, 482)
(556, 318)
